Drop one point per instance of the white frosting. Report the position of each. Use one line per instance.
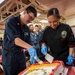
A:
(45, 70)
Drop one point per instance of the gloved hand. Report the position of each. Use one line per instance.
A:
(33, 54)
(70, 60)
(44, 50)
(32, 60)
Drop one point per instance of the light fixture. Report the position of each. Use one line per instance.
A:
(38, 14)
(44, 21)
(1, 1)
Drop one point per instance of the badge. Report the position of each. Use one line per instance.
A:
(64, 34)
(26, 33)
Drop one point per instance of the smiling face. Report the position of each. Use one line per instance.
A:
(53, 21)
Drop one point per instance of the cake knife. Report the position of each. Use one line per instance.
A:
(49, 58)
(38, 60)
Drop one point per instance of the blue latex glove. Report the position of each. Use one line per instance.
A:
(33, 54)
(32, 60)
(44, 50)
(70, 60)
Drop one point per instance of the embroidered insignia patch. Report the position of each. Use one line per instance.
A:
(64, 34)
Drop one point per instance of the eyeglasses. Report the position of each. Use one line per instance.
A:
(31, 17)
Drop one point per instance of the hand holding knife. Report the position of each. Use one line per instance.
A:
(48, 57)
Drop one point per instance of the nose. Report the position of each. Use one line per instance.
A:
(30, 20)
(52, 23)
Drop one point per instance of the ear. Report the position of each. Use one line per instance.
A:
(24, 12)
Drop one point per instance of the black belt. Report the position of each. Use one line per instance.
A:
(13, 51)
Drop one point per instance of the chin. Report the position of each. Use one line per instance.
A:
(26, 23)
(54, 27)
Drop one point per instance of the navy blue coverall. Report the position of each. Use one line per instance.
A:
(13, 57)
(35, 42)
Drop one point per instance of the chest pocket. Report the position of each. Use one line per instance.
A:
(34, 38)
(25, 35)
